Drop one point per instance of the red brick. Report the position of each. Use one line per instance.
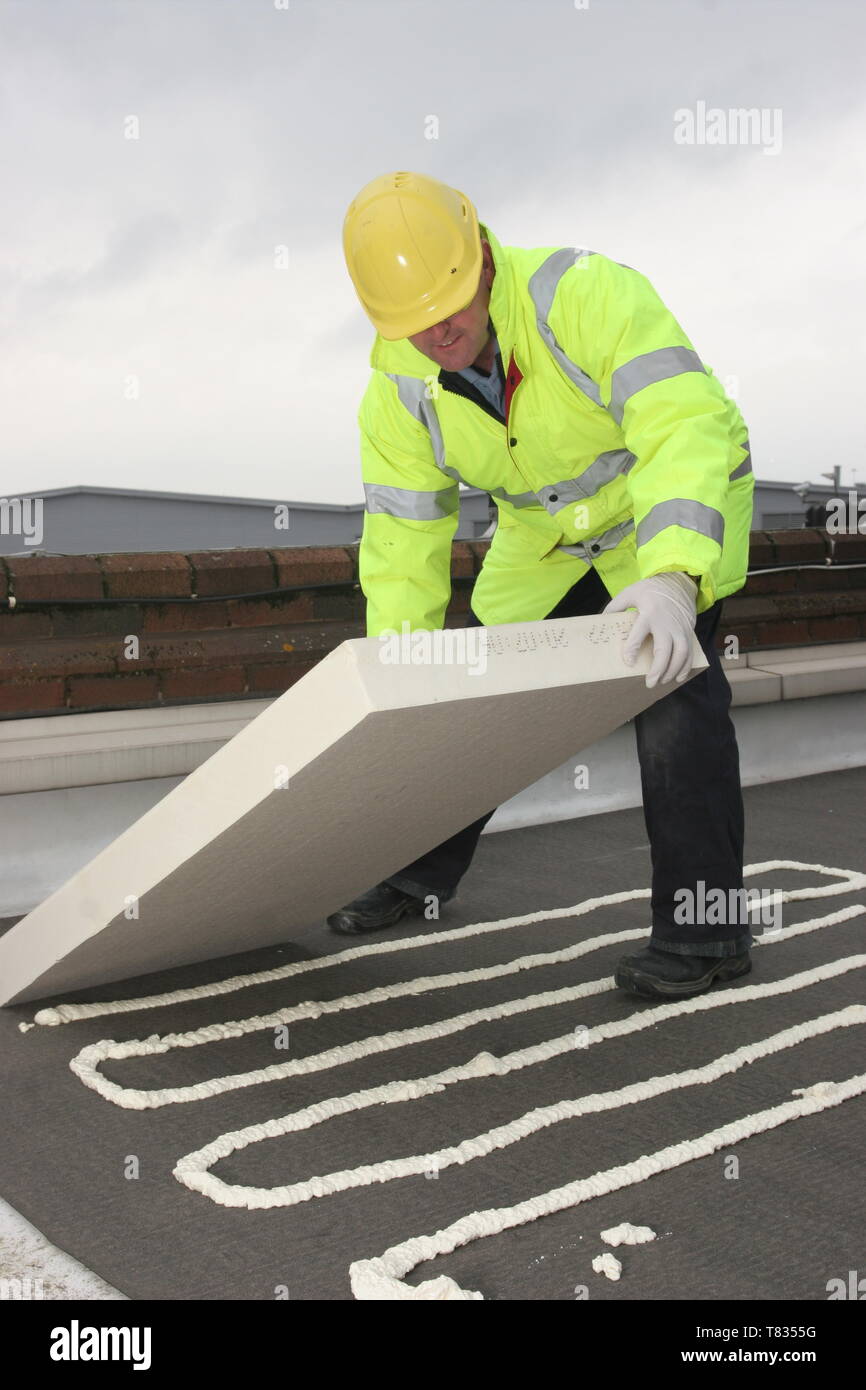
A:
(462, 561)
(479, 549)
(57, 658)
(30, 697)
(147, 575)
(46, 577)
(848, 549)
(165, 653)
(234, 646)
(112, 692)
(4, 581)
(272, 680)
(807, 605)
(769, 583)
(267, 612)
(202, 684)
(317, 640)
(353, 552)
(460, 600)
(339, 605)
(782, 634)
(239, 645)
(309, 564)
(258, 644)
(850, 601)
(811, 581)
(85, 621)
(184, 617)
(761, 550)
(231, 571)
(839, 629)
(822, 604)
(742, 609)
(23, 622)
(803, 546)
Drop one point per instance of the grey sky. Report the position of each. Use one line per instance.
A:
(153, 258)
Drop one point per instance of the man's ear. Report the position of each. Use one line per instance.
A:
(489, 266)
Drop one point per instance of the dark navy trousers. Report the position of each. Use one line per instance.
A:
(692, 801)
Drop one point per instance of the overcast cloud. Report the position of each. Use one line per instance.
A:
(148, 264)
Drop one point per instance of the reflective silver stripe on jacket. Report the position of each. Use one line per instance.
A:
(517, 499)
(632, 376)
(542, 288)
(679, 511)
(744, 468)
(413, 394)
(645, 370)
(411, 505)
(614, 463)
(588, 550)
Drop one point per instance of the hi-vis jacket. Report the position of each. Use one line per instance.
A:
(619, 450)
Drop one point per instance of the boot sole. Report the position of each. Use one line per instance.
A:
(650, 987)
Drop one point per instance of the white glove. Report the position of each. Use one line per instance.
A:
(666, 611)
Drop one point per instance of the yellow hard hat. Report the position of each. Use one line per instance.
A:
(413, 250)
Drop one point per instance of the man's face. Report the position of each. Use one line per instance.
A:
(457, 341)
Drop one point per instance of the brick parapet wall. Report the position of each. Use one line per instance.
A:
(230, 624)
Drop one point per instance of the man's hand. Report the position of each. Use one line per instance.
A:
(666, 612)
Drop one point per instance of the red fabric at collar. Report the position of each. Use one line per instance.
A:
(513, 378)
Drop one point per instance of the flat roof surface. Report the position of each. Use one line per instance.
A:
(769, 1217)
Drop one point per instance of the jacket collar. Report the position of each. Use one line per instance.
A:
(401, 358)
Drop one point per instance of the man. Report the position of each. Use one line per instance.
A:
(558, 382)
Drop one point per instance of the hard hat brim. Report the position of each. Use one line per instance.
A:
(462, 291)
(413, 252)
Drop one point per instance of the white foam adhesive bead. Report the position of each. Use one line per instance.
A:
(384, 1278)
(626, 1234)
(73, 1013)
(607, 1264)
(193, 1169)
(819, 1088)
(401, 1259)
(87, 1062)
(850, 880)
(380, 1286)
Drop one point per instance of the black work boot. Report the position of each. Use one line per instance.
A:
(655, 974)
(382, 906)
